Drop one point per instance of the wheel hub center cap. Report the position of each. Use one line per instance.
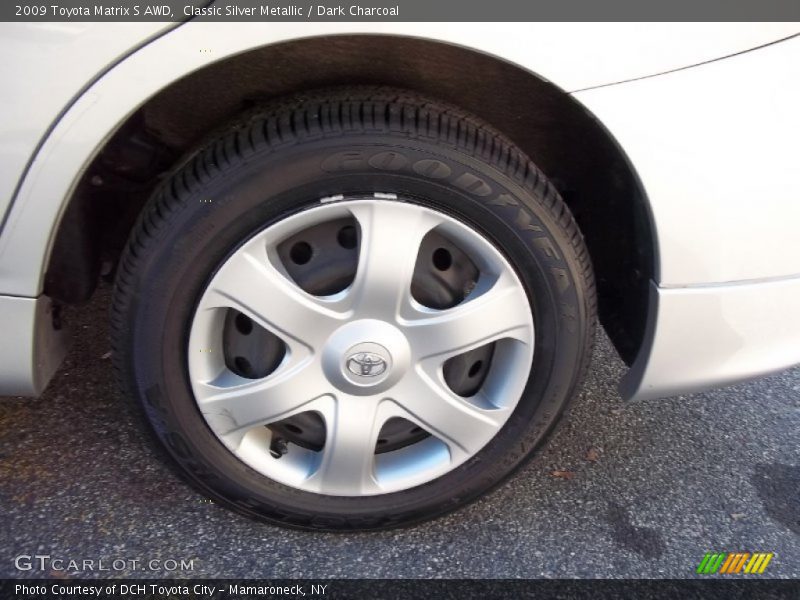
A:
(365, 367)
(368, 362)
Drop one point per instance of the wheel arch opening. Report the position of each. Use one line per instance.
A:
(568, 144)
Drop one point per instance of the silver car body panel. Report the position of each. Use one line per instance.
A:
(54, 63)
(33, 347)
(716, 150)
(710, 336)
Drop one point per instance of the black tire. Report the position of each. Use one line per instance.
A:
(278, 162)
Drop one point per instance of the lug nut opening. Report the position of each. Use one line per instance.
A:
(322, 259)
(301, 253)
(243, 324)
(442, 259)
(475, 368)
(465, 374)
(398, 433)
(243, 366)
(249, 350)
(347, 237)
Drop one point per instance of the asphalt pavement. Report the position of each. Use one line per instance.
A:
(639, 490)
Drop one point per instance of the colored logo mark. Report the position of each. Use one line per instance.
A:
(729, 563)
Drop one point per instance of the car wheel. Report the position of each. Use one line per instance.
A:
(355, 309)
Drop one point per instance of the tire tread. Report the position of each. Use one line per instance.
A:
(333, 113)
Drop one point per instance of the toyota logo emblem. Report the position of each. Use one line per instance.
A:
(366, 364)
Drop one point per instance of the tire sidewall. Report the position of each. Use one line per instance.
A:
(215, 218)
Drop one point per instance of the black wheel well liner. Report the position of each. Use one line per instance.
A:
(568, 144)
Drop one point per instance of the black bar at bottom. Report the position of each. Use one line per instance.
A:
(391, 589)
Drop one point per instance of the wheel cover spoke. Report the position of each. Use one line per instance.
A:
(498, 311)
(251, 284)
(464, 427)
(348, 456)
(363, 356)
(243, 404)
(390, 239)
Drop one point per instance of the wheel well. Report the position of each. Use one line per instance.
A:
(579, 156)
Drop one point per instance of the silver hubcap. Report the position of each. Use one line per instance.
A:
(365, 356)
